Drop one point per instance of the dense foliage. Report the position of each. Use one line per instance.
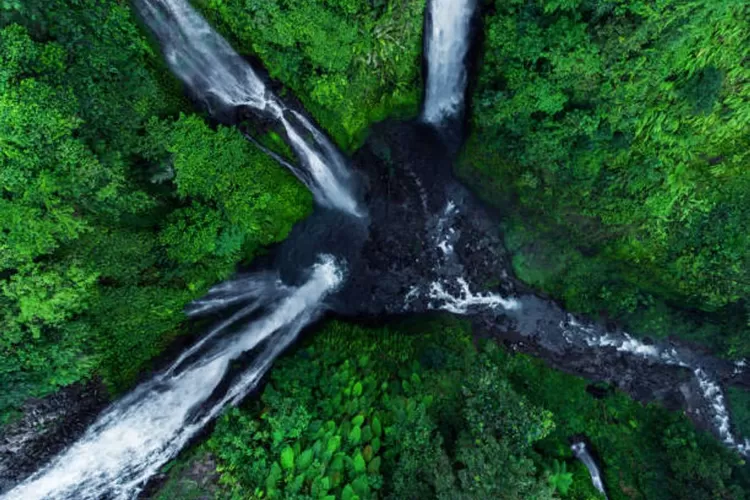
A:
(416, 411)
(615, 134)
(350, 62)
(115, 210)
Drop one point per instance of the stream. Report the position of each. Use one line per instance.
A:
(393, 232)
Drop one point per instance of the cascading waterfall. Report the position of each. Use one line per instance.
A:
(223, 80)
(582, 454)
(133, 438)
(446, 46)
(138, 434)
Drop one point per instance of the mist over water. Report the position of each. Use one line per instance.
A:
(446, 42)
(224, 81)
(135, 436)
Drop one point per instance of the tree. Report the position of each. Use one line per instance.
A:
(616, 135)
(100, 249)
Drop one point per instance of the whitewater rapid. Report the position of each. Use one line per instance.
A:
(138, 434)
(457, 297)
(223, 80)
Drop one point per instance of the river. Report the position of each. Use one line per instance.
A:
(353, 256)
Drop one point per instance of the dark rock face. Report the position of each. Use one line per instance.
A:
(46, 427)
(423, 229)
(415, 204)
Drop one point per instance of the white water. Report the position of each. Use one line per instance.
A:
(712, 392)
(140, 433)
(582, 454)
(710, 389)
(446, 47)
(465, 300)
(445, 233)
(222, 79)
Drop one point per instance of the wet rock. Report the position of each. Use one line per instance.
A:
(46, 427)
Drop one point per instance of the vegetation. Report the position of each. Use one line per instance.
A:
(614, 133)
(350, 62)
(417, 411)
(116, 210)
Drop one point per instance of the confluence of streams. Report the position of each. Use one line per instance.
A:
(138, 434)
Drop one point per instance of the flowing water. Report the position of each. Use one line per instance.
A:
(556, 330)
(223, 81)
(138, 434)
(132, 439)
(446, 45)
(582, 454)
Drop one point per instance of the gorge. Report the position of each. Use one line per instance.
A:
(392, 233)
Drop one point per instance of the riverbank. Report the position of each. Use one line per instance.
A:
(645, 450)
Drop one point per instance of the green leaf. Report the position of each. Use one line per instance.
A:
(337, 464)
(305, 459)
(347, 493)
(325, 484)
(377, 429)
(287, 458)
(275, 471)
(333, 444)
(273, 477)
(361, 486)
(560, 479)
(359, 463)
(358, 420)
(357, 390)
(374, 466)
(366, 434)
(355, 436)
(297, 484)
(367, 453)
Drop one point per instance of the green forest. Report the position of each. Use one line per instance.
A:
(616, 134)
(613, 136)
(417, 410)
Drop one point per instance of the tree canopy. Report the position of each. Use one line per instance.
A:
(116, 209)
(615, 133)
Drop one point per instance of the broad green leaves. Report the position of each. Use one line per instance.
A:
(367, 438)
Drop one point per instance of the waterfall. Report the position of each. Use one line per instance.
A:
(223, 80)
(138, 434)
(446, 45)
(582, 454)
